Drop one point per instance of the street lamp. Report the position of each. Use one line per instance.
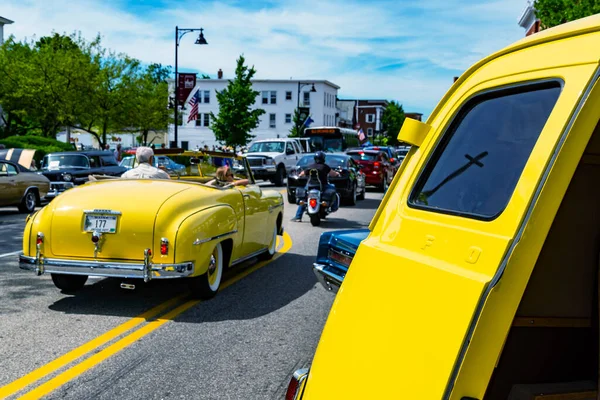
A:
(300, 86)
(179, 33)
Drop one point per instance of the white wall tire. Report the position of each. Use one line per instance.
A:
(272, 249)
(207, 285)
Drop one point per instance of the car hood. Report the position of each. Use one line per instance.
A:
(261, 154)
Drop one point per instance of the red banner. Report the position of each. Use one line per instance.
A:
(186, 84)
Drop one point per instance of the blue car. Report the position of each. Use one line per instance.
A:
(334, 256)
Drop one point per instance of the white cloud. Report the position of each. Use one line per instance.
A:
(344, 42)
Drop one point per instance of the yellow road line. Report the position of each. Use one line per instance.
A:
(74, 354)
(111, 350)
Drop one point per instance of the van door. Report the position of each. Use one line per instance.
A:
(438, 247)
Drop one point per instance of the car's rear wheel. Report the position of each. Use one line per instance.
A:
(267, 255)
(69, 283)
(207, 285)
(279, 176)
(291, 198)
(352, 197)
(28, 202)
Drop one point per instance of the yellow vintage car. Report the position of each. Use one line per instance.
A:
(479, 277)
(190, 226)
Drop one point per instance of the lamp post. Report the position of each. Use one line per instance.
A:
(179, 33)
(300, 86)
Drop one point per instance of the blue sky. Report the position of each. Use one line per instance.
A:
(401, 50)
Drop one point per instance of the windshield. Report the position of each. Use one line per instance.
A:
(363, 156)
(267, 147)
(331, 145)
(331, 160)
(65, 161)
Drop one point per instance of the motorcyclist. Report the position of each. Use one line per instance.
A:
(324, 172)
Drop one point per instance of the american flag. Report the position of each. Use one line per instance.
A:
(361, 135)
(194, 103)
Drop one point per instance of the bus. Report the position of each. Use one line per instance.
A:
(331, 139)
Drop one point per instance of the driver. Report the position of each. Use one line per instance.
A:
(324, 171)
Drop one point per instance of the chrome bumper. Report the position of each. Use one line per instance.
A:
(57, 188)
(146, 271)
(329, 279)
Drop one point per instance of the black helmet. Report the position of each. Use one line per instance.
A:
(320, 157)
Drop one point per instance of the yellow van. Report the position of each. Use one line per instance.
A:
(479, 278)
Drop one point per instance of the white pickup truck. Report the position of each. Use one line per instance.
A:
(273, 159)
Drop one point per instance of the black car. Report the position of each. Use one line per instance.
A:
(67, 169)
(350, 185)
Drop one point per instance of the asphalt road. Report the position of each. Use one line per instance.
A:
(243, 344)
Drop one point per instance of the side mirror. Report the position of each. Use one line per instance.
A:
(413, 132)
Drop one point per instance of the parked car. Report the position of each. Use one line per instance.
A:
(350, 185)
(401, 152)
(378, 169)
(334, 256)
(479, 277)
(68, 169)
(159, 161)
(184, 228)
(273, 159)
(389, 152)
(20, 186)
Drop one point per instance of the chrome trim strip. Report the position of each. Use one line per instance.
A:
(330, 280)
(517, 239)
(198, 241)
(110, 269)
(101, 211)
(249, 256)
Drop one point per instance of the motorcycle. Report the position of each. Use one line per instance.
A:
(318, 203)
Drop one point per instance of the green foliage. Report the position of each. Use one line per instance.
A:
(298, 125)
(61, 81)
(236, 118)
(204, 76)
(556, 12)
(392, 119)
(42, 145)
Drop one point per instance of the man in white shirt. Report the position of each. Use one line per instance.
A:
(145, 170)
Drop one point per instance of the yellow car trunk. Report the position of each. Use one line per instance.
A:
(136, 208)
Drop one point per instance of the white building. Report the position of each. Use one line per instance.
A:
(3, 21)
(279, 99)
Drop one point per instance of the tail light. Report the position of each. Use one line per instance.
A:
(298, 377)
(164, 246)
(312, 203)
(40, 238)
(376, 164)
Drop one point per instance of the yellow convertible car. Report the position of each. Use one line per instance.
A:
(192, 226)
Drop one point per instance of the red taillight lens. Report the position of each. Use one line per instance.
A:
(312, 203)
(95, 238)
(376, 164)
(164, 246)
(40, 238)
(292, 389)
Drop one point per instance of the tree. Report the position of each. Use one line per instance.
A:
(297, 125)
(150, 111)
(556, 12)
(392, 119)
(204, 76)
(236, 118)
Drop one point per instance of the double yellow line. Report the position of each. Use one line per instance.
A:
(97, 358)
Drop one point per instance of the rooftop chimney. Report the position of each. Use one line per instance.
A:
(220, 74)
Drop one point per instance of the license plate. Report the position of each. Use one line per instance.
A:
(100, 223)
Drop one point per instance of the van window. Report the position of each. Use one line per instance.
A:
(476, 166)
